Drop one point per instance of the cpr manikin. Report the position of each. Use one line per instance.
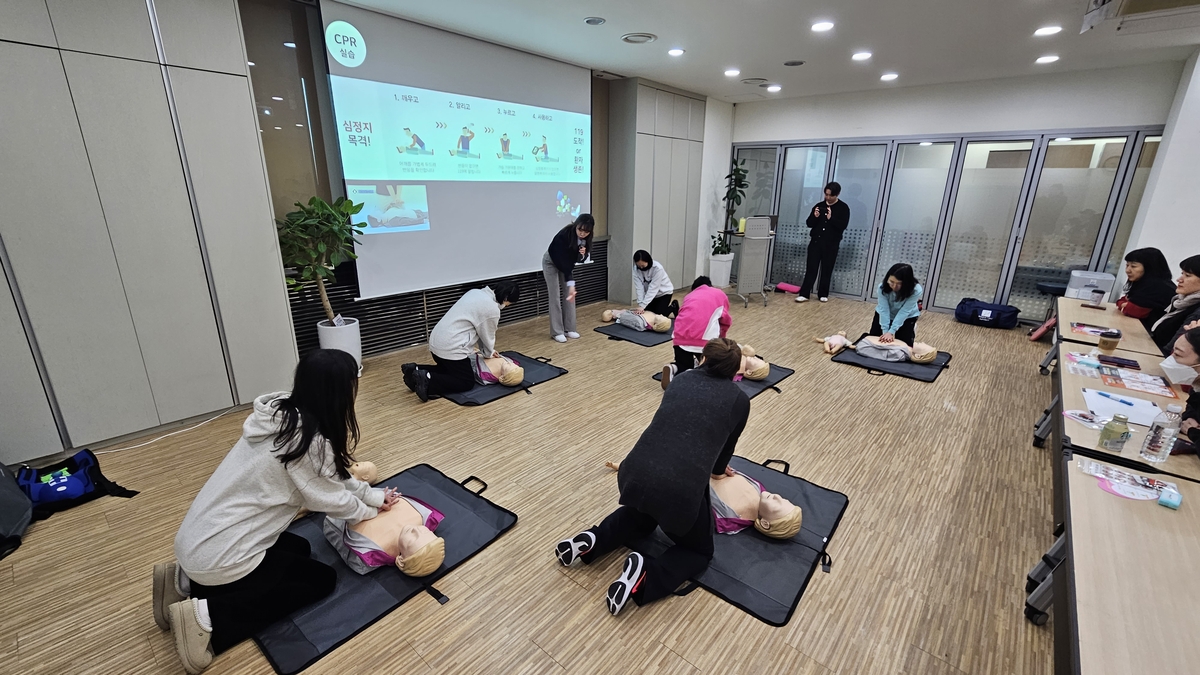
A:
(873, 347)
(402, 536)
(497, 369)
(639, 322)
(753, 367)
(739, 501)
(834, 344)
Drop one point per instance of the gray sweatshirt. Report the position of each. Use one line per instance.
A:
(472, 320)
(651, 283)
(252, 497)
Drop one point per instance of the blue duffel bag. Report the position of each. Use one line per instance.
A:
(990, 315)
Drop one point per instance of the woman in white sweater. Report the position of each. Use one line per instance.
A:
(652, 286)
(238, 569)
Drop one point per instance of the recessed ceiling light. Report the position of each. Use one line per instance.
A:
(774, 88)
(1049, 58)
(1047, 30)
(793, 63)
(290, 45)
(266, 111)
(675, 52)
(732, 72)
(926, 143)
(822, 26)
(249, 63)
(299, 125)
(280, 128)
(276, 98)
(1062, 139)
(861, 56)
(639, 38)
(888, 77)
(594, 21)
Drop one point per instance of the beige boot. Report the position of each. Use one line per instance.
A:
(166, 592)
(191, 640)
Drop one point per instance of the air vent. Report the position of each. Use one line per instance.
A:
(754, 80)
(793, 63)
(639, 38)
(605, 75)
(594, 21)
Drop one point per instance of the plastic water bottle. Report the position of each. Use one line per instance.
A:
(1161, 437)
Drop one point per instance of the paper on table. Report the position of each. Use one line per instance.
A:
(1141, 412)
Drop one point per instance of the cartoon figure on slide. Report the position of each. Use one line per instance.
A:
(505, 145)
(463, 149)
(416, 146)
(541, 152)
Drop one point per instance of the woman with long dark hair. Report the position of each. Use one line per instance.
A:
(652, 286)
(898, 307)
(238, 570)
(570, 246)
(1148, 287)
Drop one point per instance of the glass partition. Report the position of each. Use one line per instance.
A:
(1068, 208)
(760, 173)
(1137, 187)
(802, 186)
(982, 221)
(859, 170)
(915, 197)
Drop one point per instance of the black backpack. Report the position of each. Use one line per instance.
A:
(990, 315)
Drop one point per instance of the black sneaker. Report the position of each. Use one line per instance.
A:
(620, 590)
(673, 310)
(408, 369)
(568, 550)
(420, 384)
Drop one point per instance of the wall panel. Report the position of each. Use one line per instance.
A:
(29, 429)
(691, 239)
(660, 224)
(112, 27)
(202, 34)
(26, 21)
(679, 192)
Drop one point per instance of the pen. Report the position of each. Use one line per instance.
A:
(1115, 398)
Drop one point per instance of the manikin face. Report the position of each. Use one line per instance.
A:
(1187, 283)
(830, 198)
(894, 284)
(413, 539)
(772, 507)
(1134, 271)
(1184, 354)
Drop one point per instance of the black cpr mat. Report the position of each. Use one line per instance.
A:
(925, 372)
(766, 577)
(471, 524)
(646, 338)
(537, 371)
(755, 387)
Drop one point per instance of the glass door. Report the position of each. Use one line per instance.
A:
(981, 221)
(759, 164)
(916, 193)
(1137, 188)
(1073, 192)
(859, 170)
(801, 187)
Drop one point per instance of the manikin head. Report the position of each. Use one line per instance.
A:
(364, 471)
(661, 324)
(421, 551)
(608, 315)
(922, 353)
(755, 368)
(747, 350)
(777, 517)
(510, 375)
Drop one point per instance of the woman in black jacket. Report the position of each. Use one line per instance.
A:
(1149, 288)
(1185, 302)
(569, 247)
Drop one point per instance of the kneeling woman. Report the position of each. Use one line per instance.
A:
(897, 310)
(237, 563)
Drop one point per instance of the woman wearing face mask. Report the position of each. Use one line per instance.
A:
(1184, 307)
(1181, 368)
(1149, 288)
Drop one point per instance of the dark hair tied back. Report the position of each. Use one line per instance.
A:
(722, 357)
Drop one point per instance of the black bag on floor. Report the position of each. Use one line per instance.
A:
(987, 314)
(61, 486)
(15, 512)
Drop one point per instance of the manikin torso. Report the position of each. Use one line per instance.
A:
(399, 531)
(739, 494)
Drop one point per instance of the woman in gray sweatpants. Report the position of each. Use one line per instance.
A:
(570, 246)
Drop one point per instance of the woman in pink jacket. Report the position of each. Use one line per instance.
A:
(703, 316)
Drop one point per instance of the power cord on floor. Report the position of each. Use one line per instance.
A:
(179, 431)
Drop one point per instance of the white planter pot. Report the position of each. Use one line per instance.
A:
(719, 266)
(345, 338)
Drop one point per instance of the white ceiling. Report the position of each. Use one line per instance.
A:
(925, 41)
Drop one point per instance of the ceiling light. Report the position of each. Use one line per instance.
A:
(822, 26)
(276, 98)
(861, 56)
(1062, 139)
(793, 63)
(249, 63)
(639, 38)
(1047, 30)
(675, 52)
(300, 125)
(1049, 58)
(774, 88)
(732, 72)
(888, 77)
(290, 45)
(280, 128)
(594, 21)
(266, 112)
(926, 143)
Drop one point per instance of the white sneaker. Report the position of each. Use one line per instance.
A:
(620, 590)
(824, 299)
(573, 335)
(801, 298)
(560, 338)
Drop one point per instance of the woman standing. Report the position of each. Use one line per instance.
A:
(1183, 305)
(569, 247)
(1148, 289)
(237, 563)
(897, 309)
(652, 286)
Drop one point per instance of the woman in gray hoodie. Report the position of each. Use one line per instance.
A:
(238, 569)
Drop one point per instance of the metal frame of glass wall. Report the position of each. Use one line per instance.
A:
(986, 176)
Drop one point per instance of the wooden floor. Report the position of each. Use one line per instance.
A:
(949, 507)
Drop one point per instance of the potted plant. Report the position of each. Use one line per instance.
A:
(721, 261)
(314, 239)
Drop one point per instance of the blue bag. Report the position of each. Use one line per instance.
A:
(61, 486)
(987, 314)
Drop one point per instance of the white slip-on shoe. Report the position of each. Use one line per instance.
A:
(560, 338)
(191, 640)
(667, 373)
(573, 335)
(801, 298)
(620, 590)
(166, 592)
(824, 299)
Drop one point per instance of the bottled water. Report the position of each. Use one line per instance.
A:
(1161, 436)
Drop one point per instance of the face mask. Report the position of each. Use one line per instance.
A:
(1176, 372)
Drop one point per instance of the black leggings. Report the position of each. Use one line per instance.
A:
(907, 333)
(687, 558)
(684, 360)
(660, 305)
(449, 376)
(286, 580)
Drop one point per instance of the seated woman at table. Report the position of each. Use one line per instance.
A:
(1182, 307)
(898, 307)
(639, 321)
(1182, 367)
(1148, 287)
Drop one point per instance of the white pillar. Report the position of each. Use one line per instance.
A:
(718, 139)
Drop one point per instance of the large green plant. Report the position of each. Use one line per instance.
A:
(735, 190)
(317, 238)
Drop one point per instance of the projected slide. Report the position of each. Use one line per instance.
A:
(390, 132)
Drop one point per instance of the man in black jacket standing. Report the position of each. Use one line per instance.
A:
(664, 481)
(826, 223)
